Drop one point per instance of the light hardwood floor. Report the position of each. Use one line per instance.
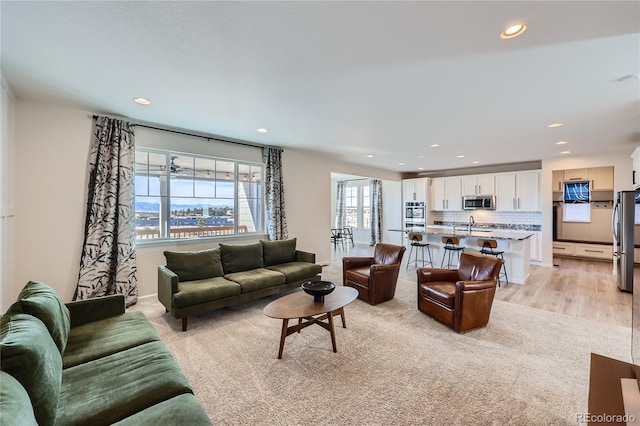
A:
(578, 288)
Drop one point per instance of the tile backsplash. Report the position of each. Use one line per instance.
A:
(514, 220)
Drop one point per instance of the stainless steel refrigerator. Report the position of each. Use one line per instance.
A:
(623, 224)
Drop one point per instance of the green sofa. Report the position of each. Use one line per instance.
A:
(87, 363)
(195, 282)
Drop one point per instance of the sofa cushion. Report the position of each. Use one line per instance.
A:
(359, 275)
(42, 301)
(15, 405)
(295, 271)
(28, 353)
(203, 291)
(277, 252)
(105, 337)
(443, 292)
(257, 279)
(194, 265)
(242, 257)
(180, 410)
(112, 388)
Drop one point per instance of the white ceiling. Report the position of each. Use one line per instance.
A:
(347, 79)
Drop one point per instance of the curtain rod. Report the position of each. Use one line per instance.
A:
(354, 180)
(212, 138)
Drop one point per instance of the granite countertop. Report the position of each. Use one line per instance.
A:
(476, 232)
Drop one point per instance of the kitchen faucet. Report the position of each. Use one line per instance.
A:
(471, 222)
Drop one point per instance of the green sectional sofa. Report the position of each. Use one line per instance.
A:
(195, 282)
(87, 363)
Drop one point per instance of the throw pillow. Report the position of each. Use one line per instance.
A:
(238, 258)
(42, 301)
(278, 252)
(194, 265)
(28, 353)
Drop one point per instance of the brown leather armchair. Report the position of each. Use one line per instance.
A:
(460, 298)
(375, 277)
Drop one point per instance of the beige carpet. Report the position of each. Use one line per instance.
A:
(394, 365)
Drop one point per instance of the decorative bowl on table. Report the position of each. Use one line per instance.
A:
(318, 289)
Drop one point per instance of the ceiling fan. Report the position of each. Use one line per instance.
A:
(175, 169)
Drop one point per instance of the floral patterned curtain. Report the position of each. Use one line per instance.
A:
(376, 211)
(274, 194)
(108, 262)
(340, 204)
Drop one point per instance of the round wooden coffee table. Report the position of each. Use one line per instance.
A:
(300, 305)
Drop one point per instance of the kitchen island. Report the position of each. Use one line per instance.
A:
(515, 244)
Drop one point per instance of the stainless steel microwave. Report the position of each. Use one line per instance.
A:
(475, 202)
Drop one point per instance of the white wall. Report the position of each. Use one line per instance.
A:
(391, 212)
(7, 196)
(310, 196)
(52, 149)
(622, 181)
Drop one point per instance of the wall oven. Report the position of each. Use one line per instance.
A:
(414, 210)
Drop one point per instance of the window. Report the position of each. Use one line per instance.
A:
(358, 205)
(351, 206)
(180, 196)
(577, 202)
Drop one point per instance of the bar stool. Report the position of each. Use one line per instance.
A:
(488, 247)
(450, 246)
(347, 234)
(416, 241)
(336, 236)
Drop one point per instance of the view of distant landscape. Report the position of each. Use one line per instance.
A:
(198, 214)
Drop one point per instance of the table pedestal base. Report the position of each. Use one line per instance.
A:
(307, 321)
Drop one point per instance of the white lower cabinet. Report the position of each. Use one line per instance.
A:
(597, 251)
(565, 249)
(536, 246)
(591, 251)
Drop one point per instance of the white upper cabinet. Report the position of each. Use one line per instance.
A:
(576, 174)
(557, 179)
(518, 191)
(415, 189)
(601, 178)
(478, 185)
(446, 194)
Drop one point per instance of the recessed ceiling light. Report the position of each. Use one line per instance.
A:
(400, 164)
(561, 142)
(513, 30)
(565, 152)
(460, 156)
(434, 145)
(475, 162)
(552, 125)
(142, 101)
(420, 168)
(369, 156)
(262, 130)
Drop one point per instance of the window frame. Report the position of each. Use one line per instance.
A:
(165, 209)
(575, 207)
(361, 188)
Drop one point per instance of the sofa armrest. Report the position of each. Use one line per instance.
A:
(476, 285)
(167, 286)
(304, 256)
(95, 309)
(437, 274)
(356, 262)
